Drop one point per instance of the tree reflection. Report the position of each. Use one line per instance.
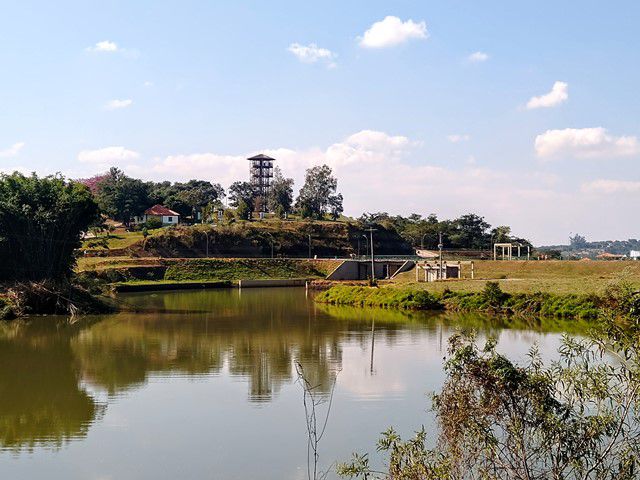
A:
(41, 401)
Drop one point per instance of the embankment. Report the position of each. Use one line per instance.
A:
(283, 238)
(208, 269)
(490, 300)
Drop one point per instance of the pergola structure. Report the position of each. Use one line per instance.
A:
(507, 250)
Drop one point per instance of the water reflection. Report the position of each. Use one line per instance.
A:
(41, 398)
(52, 373)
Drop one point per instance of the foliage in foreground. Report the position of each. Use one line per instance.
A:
(575, 419)
(41, 220)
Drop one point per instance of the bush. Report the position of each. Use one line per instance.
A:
(153, 223)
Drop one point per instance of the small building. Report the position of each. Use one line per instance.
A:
(634, 254)
(161, 213)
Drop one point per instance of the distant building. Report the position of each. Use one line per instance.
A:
(161, 213)
(634, 254)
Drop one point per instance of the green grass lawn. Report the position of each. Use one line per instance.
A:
(554, 276)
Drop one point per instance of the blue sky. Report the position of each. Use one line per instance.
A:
(418, 106)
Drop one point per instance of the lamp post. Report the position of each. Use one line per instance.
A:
(271, 240)
(309, 246)
(440, 251)
(366, 244)
(373, 266)
(422, 241)
(206, 236)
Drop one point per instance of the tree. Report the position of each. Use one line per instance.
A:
(501, 234)
(470, 232)
(121, 197)
(242, 192)
(243, 210)
(41, 221)
(186, 198)
(281, 194)
(318, 194)
(575, 419)
(578, 241)
(198, 193)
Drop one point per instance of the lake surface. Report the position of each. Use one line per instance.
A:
(203, 385)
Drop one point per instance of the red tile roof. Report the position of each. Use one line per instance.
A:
(160, 210)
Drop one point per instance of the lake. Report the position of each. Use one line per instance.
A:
(203, 384)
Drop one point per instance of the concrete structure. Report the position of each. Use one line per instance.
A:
(634, 254)
(160, 213)
(361, 269)
(433, 271)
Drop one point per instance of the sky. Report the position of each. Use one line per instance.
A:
(524, 112)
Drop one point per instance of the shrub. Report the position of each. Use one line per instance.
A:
(153, 223)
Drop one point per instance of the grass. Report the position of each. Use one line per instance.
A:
(238, 269)
(557, 277)
(491, 299)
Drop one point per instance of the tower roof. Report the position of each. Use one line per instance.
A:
(261, 156)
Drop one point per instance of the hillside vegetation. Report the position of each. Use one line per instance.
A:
(255, 239)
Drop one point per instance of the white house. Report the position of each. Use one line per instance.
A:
(161, 213)
(634, 254)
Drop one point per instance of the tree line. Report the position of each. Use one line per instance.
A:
(468, 231)
(122, 197)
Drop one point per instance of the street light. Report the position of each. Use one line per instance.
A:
(206, 236)
(373, 267)
(366, 244)
(422, 241)
(271, 241)
(440, 249)
(309, 246)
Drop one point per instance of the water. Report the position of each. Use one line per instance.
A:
(203, 385)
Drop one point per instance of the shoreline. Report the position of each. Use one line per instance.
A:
(491, 300)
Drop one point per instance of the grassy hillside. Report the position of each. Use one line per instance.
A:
(290, 238)
(204, 269)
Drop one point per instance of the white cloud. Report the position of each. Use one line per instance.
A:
(312, 53)
(611, 186)
(118, 104)
(478, 57)
(148, 84)
(392, 31)
(12, 151)
(108, 156)
(103, 46)
(559, 93)
(457, 138)
(584, 143)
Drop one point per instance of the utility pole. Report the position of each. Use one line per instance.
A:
(373, 266)
(440, 249)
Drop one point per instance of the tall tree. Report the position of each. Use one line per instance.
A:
(281, 195)
(41, 221)
(318, 194)
(122, 197)
(242, 192)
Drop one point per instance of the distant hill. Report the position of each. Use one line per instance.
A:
(592, 249)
